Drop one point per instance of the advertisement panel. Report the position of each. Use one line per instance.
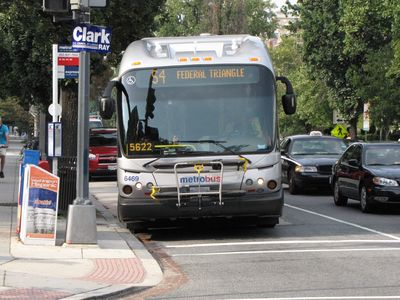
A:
(30, 157)
(39, 207)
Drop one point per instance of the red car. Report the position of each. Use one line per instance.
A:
(103, 152)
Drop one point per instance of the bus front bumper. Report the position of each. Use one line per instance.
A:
(259, 205)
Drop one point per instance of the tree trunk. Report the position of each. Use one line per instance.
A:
(69, 119)
(353, 129)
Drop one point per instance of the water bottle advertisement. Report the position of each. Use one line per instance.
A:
(39, 207)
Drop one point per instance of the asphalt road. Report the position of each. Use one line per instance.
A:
(318, 251)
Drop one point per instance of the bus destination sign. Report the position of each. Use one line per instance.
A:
(209, 75)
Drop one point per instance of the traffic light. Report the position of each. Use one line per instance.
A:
(56, 6)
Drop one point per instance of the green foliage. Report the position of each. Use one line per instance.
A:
(26, 38)
(192, 17)
(129, 20)
(313, 111)
(381, 89)
(353, 46)
(14, 114)
(180, 18)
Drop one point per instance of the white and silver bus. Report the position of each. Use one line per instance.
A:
(198, 130)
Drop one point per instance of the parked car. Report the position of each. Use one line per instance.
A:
(307, 160)
(95, 122)
(368, 172)
(103, 151)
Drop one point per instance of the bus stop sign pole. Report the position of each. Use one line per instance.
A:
(81, 224)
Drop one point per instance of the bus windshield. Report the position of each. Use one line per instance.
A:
(195, 110)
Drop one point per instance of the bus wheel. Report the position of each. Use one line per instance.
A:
(138, 227)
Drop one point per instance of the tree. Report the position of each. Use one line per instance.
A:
(15, 115)
(381, 89)
(313, 110)
(192, 17)
(338, 36)
(26, 36)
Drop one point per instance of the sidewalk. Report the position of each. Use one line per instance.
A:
(118, 265)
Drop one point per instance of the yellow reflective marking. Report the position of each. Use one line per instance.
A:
(154, 191)
(245, 164)
(198, 168)
(175, 146)
(254, 59)
(136, 63)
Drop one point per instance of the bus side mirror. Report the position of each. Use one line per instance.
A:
(289, 99)
(107, 102)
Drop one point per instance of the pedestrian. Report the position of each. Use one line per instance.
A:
(4, 142)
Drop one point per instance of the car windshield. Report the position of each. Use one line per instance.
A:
(103, 139)
(197, 110)
(318, 146)
(386, 155)
(95, 123)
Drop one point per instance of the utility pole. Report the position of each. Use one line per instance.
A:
(81, 224)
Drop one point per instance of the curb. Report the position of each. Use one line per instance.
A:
(153, 272)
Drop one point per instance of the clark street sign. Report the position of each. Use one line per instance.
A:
(91, 38)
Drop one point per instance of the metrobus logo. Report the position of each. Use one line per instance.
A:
(200, 179)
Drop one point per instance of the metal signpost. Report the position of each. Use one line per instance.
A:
(81, 224)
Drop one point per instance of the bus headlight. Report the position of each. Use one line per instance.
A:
(260, 181)
(138, 186)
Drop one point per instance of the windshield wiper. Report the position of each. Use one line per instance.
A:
(215, 142)
(219, 144)
(178, 150)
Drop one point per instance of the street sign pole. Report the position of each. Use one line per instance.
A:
(82, 189)
(81, 224)
(55, 97)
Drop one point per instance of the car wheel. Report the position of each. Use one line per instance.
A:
(365, 203)
(293, 188)
(337, 197)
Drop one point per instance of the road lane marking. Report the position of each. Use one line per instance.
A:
(344, 222)
(285, 251)
(282, 243)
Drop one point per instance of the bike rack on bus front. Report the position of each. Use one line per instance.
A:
(199, 168)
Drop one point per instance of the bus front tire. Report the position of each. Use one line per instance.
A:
(137, 227)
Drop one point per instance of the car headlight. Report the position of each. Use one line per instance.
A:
(92, 156)
(384, 181)
(305, 169)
